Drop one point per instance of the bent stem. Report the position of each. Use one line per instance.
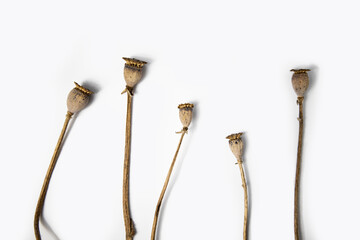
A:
(244, 185)
(298, 167)
(157, 210)
(40, 203)
(129, 224)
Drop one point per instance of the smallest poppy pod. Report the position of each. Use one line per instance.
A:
(236, 144)
(185, 114)
(133, 71)
(78, 98)
(300, 81)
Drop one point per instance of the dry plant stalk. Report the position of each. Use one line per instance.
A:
(236, 145)
(133, 71)
(185, 114)
(300, 82)
(77, 100)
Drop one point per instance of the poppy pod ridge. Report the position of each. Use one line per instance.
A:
(300, 83)
(133, 71)
(236, 146)
(77, 99)
(185, 115)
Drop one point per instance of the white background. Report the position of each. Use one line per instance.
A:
(232, 60)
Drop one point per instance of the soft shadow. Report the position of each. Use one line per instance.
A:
(92, 86)
(195, 115)
(177, 170)
(142, 58)
(145, 68)
(48, 229)
(313, 75)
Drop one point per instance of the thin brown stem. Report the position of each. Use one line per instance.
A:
(40, 203)
(129, 224)
(298, 167)
(244, 185)
(157, 210)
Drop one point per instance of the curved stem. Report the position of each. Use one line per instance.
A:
(244, 185)
(298, 167)
(157, 210)
(129, 224)
(40, 203)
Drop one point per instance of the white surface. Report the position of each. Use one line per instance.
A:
(230, 58)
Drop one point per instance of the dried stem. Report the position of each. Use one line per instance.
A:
(129, 224)
(298, 167)
(244, 185)
(157, 210)
(40, 204)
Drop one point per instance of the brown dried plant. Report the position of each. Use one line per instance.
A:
(133, 71)
(236, 145)
(300, 82)
(185, 114)
(77, 100)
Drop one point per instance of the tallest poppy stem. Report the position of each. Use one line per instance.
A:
(298, 168)
(132, 74)
(300, 82)
(129, 224)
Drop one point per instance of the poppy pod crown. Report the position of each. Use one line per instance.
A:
(133, 71)
(185, 114)
(300, 81)
(78, 98)
(236, 144)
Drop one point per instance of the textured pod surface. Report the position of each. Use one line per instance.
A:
(185, 113)
(78, 98)
(236, 144)
(300, 81)
(133, 71)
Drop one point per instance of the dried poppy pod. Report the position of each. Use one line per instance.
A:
(300, 81)
(185, 114)
(133, 71)
(185, 118)
(78, 98)
(236, 145)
